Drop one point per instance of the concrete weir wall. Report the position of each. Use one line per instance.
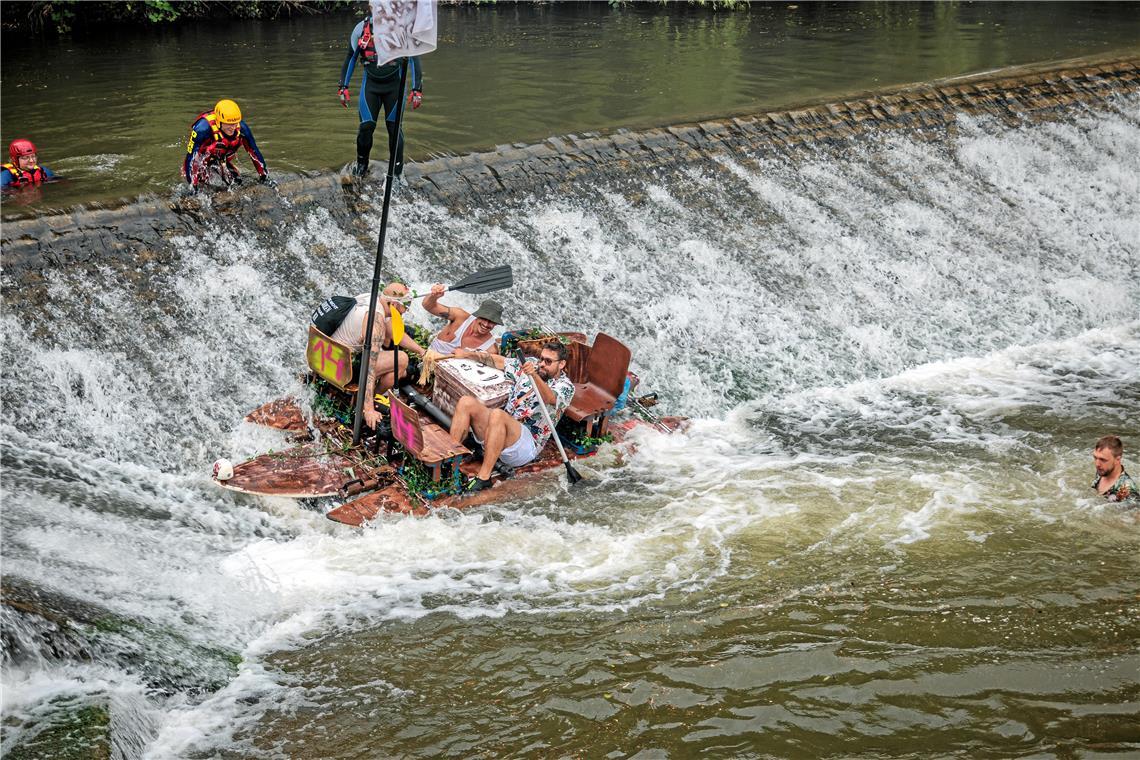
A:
(140, 230)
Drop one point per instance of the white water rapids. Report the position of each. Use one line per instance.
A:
(895, 355)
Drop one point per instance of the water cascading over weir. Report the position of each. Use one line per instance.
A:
(744, 260)
(570, 164)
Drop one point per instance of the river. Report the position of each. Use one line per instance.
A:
(115, 123)
(876, 539)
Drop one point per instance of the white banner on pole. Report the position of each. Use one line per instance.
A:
(403, 28)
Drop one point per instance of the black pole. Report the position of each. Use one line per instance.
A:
(365, 358)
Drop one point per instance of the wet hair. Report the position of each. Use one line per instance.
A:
(1112, 443)
(557, 347)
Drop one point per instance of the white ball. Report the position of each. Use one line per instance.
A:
(223, 469)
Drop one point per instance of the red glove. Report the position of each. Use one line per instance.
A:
(415, 98)
(343, 93)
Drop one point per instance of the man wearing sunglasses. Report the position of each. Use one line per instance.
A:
(516, 433)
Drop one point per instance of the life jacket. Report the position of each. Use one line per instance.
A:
(231, 144)
(21, 178)
(366, 47)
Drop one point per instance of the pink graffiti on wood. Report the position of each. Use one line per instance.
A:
(325, 351)
(406, 426)
(402, 427)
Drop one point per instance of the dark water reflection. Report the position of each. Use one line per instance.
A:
(111, 108)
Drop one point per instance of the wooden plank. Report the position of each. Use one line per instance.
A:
(329, 359)
(406, 426)
(282, 414)
(393, 498)
(439, 446)
(421, 437)
(300, 472)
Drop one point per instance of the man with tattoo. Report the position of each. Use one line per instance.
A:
(467, 331)
(351, 331)
(516, 433)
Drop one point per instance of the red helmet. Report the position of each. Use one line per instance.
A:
(21, 148)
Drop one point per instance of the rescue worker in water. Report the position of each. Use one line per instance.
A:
(215, 137)
(379, 87)
(23, 170)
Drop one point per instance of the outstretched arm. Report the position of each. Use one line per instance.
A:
(408, 343)
(432, 305)
(483, 357)
(251, 149)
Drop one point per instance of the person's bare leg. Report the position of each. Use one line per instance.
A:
(503, 431)
(382, 366)
(469, 412)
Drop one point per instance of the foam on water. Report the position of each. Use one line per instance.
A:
(871, 343)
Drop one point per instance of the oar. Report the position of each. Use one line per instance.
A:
(487, 281)
(571, 474)
(374, 293)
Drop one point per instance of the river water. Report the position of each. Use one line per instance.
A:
(876, 539)
(110, 109)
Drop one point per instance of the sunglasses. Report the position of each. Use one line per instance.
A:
(544, 360)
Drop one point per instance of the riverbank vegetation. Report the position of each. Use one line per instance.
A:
(66, 16)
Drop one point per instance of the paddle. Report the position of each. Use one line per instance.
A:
(366, 351)
(571, 474)
(397, 336)
(486, 281)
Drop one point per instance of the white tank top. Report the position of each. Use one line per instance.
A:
(447, 347)
(351, 330)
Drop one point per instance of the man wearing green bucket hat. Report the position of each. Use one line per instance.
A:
(464, 330)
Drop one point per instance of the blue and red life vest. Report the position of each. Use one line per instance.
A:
(22, 178)
(230, 144)
(366, 46)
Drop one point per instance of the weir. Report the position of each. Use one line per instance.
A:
(898, 321)
(135, 231)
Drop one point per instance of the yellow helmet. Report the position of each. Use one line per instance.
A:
(227, 112)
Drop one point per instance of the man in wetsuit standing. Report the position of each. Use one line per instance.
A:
(380, 87)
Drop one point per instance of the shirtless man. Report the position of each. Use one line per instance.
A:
(471, 332)
(351, 333)
(1112, 482)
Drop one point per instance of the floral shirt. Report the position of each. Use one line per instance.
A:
(1124, 489)
(523, 402)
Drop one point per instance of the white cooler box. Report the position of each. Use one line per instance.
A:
(455, 378)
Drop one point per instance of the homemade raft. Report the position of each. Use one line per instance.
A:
(419, 466)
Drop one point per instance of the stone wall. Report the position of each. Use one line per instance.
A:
(141, 229)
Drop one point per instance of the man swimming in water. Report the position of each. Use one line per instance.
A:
(1112, 482)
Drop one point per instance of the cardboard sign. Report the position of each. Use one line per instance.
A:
(406, 427)
(330, 360)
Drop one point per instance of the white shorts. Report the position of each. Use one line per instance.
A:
(521, 451)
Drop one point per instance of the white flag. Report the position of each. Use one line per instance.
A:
(402, 27)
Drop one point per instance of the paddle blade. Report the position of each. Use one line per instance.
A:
(397, 326)
(572, 474)
(487, 281)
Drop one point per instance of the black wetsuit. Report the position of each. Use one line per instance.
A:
(380, 87)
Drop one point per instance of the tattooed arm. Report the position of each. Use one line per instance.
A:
(483, 357)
